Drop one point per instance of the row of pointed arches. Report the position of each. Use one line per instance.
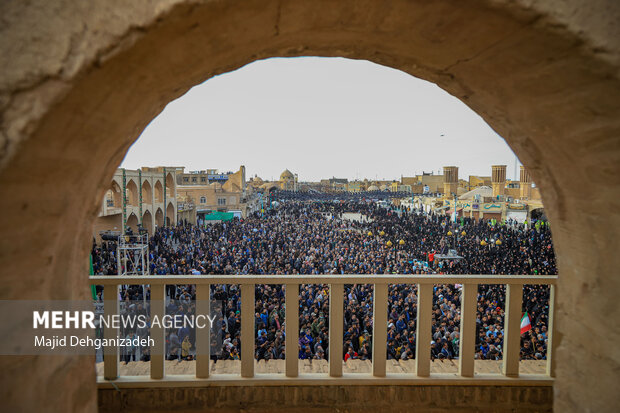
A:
(149, 221)
(150, 193)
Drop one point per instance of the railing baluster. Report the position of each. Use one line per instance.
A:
(469, 307)
(292, 329)
(551, 333)
(336, 326)
(512, 329)
(423, 330)
(203, 337)
(158, 333)
(110, 353)
(379, 330)
(247, 330)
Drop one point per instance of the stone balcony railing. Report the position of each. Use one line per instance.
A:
(419, 373)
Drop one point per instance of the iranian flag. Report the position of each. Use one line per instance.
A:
(525, 323)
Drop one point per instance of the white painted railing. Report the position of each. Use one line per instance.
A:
(514, 298)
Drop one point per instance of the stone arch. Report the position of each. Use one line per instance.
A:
(132, 193)
(147, 192)
(159, 218)
(132, 222)
(543, 74)
(147, 222)
(109, 198)
(159, 192)
(170, 218)
(538, 213)
(170, 185)
(270, 187)
(114, 197)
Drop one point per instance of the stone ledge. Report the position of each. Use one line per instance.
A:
(328, 398)
(347, 379)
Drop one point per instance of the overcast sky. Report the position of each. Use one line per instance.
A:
(320, 117)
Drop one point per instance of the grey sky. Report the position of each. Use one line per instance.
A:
(320, 117)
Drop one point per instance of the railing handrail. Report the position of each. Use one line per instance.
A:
(325, 279)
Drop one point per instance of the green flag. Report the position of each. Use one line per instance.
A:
(93, 289)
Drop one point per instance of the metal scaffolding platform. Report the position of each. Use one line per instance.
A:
(133, 254)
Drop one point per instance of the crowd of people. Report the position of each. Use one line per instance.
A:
(312, 196)
(353, 236)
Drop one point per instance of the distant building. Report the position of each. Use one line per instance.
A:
(204, 177)
(398, 187)
(144, 197)
(230, 196)
(334, 184)
(288, 181)
(357, 186)
(475, 181)
(502, 200)
(434, 182)
(255, 182)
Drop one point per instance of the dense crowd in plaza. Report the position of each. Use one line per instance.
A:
(318, 237)
(311, 196)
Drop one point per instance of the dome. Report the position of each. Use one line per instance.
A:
(482, 191)
(373, 188)
(286, 175)
(461, 191)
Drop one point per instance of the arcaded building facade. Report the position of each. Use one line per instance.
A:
(144, 197)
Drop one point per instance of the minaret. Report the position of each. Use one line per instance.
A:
(450, 180)
(525, 183)
(498, 179)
